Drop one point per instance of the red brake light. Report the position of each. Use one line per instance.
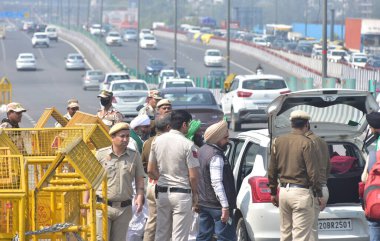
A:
(285, 92)
(260, 191)
(114, 99)
(244, 94)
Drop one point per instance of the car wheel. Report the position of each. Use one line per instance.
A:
(235, 124)
(241, 231)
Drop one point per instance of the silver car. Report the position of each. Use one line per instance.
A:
(92, 79)
(75, 61)
(128, 95)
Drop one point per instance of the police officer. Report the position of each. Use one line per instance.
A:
(162, 126)
(150, 105)
(293, 164)
(72, 108)
(174, 162)
(14, 116)
(123, 166)
(109, 115)
(323, 158)
(164, 106)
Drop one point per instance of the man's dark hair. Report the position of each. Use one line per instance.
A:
(162, 121)
(178, 117)
(299, 123)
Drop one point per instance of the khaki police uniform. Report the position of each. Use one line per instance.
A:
(110, 117)
(293, 165)
(324, 170)
(174, 155)
(121, 172)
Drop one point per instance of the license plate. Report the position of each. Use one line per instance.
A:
(334, 224)
(130, 99)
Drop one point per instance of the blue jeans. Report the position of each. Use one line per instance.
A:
(210, 223)
(374, 231)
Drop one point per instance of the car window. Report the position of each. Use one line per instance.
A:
(213, 53)
(233, 151)
(264, 84)
(235, 84)
(191, 98)
(128, 86)
(247, 162)
(179, 84)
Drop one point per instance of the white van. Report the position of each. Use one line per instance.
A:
(52, 33)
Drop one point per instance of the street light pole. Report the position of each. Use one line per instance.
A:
(138, 38)
(175, 36)
(69, 14)
(88, 13)
(78, 9)
(324, 39)
(101, 16)
(228, 35)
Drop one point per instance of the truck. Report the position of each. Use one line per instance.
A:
(363, 35)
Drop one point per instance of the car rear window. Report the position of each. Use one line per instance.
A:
(213, 53)
(129, 86)
(179, 84)
(264, 84)
(95, 73)
(116, 77)
(192, 99)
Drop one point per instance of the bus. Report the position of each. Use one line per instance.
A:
(280, 31)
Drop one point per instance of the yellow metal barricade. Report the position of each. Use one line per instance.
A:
(5, 91)
(47, 114)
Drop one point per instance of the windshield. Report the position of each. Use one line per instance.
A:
(190, 98)
(114, 35)
(129, 86)
(179, 84)
(360, 60)
(93, 73)
(116, 77)
(149, 37)
(338, 54)
(264, 84)
(213, 53)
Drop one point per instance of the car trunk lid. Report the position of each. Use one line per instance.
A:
(334, 112)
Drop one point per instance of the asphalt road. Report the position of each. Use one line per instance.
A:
(51, 85)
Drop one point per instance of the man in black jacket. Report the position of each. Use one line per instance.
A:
(217, 194)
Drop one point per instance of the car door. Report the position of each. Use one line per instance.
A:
(244, 167)
(234, 148)
(228, 98)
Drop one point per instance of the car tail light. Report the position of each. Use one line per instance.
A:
(285, 92)
(114, 99)
(244, 94)
(259, 189)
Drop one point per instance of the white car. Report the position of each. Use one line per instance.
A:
(166, 74)
(357, 60)
(249, 96)
(26, 61)
(40, 39)
(174, 83)
(113, 38)
(338, 116)
(112, 76)
(213, 57)
(96, 29)
(260, 42)
(148, 42)
(52, 33)
(145, 31)
(75, 61)
(337, 55)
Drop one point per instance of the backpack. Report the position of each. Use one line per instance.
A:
(371, 195)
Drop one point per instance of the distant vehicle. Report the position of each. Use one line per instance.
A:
(52, 33)
(194, 29)
(154, 66)
(260, 42)
(96, 29)
(112, 76)
(28, 26)
(278, 43)
(357, 60)
(336, 55)
(199, 102)
(40, 27)
(174, 82)
(182, 72)
(148, 42)
(130, 35)
(145, 31)
(305, 50)
(289, 46)
(127, 95)
(26, 61)
(316, 52)
(113, 38)
(75, 61)
(215, 78)
(166, 74)
(213, 57)
(373, 64)
(248, 97)
(92, 79)
(40, 39)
